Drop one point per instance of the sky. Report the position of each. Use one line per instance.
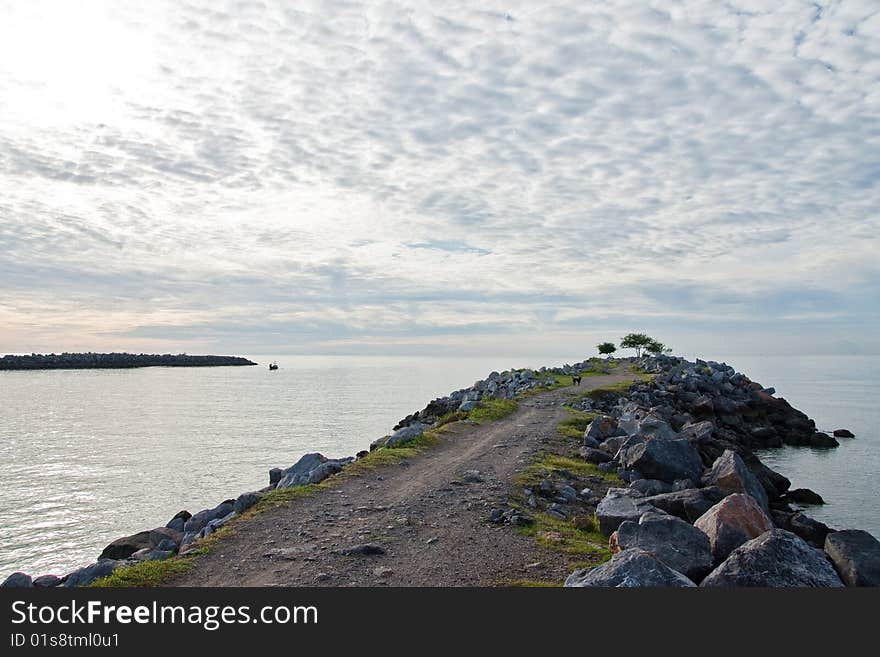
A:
(343, 177)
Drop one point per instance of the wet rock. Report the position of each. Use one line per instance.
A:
(89, 574)
(731, 475)
(776, 558)
(687, 504)
(666, 460)
(618, 506)
(630, 568)
(200, 520)
(17, 581)
(123, 548)
(673, 541)
(856, 556)
(733, 521)
(822, 440)
(803, 496)
(843, 433)
(47, 581)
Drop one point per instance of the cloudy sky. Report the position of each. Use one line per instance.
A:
(429, 177)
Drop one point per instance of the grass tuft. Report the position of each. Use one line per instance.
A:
(563, 536)
(574, 426)
(530, 584)
(492, 409)
(545, 464)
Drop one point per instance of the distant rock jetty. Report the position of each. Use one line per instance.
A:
(89, 361)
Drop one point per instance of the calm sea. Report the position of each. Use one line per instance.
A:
(88, 456)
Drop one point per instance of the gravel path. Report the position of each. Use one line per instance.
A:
(432, 526)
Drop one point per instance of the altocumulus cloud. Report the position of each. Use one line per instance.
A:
(345, 176)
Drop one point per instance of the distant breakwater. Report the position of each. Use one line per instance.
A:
(83, 361)
(697, 506)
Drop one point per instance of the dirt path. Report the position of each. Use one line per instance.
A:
(434, 528)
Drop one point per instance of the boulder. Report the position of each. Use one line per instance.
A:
(843, 433)
(629, 569)
(298, 473)
(195, 524)
(822, 440)
(666, 460)
(673, 541)
(405, 434)
(47, 581)
(731, 475)
(733, 521)
(123, 548)
(596, 456)
(803, 496)
(648, 487)
(856, 556)
(244, 502)
(161, 534)
(275, 475)
(618, 506)
(776, 559)
(89, 574)
(687, 504)
(178, 522)
(325, 470)
(800, 524)
(17, 581)
(600, 429)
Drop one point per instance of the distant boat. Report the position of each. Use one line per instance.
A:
(273, 365)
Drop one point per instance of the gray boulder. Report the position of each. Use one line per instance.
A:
(629, 569)
(89, 574)
(618, 506)
(298, 473)
(776, 559)
(673, 541)
(596, 456)
(195, 524)
(856, 556)
(17, 581)
(666, 460)
(599, 429)
(733, 521)
(648, 487)
(688, 504)
(178, 522)
(731, 475)
(244, 502)
(406, 434)
(47, 581)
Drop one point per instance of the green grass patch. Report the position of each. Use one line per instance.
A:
(574, 426)
(145, 573)
(492, 409)
(563, 536)
(545, 464)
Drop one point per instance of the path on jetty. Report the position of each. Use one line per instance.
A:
(433, 527)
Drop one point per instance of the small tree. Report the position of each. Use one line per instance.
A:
(606, 348)
(656, 348)
(637, 341)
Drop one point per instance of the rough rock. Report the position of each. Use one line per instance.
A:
(673, 541)
(618, 506)
(776, 559)
(298, 473)
(202, 518)
(244, 502)
(363, 550)
(731, 475)
(843, 433)
(17, 581)
(809, 529)
(666, 460)
(733, 521)
(596, 456)
(47, 581)
(89, 574)
(648, 487)
(687, 504)
(178, 522)
(856, 556)
(600, 429)
(629, 569)
(822, 440)
(406, 434)
(123, 548)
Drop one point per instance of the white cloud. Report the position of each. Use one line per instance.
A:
(173, 171)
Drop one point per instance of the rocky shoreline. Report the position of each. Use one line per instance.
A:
(699, 507)
(82, 361)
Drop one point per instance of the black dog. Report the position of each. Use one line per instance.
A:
(576, 380)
